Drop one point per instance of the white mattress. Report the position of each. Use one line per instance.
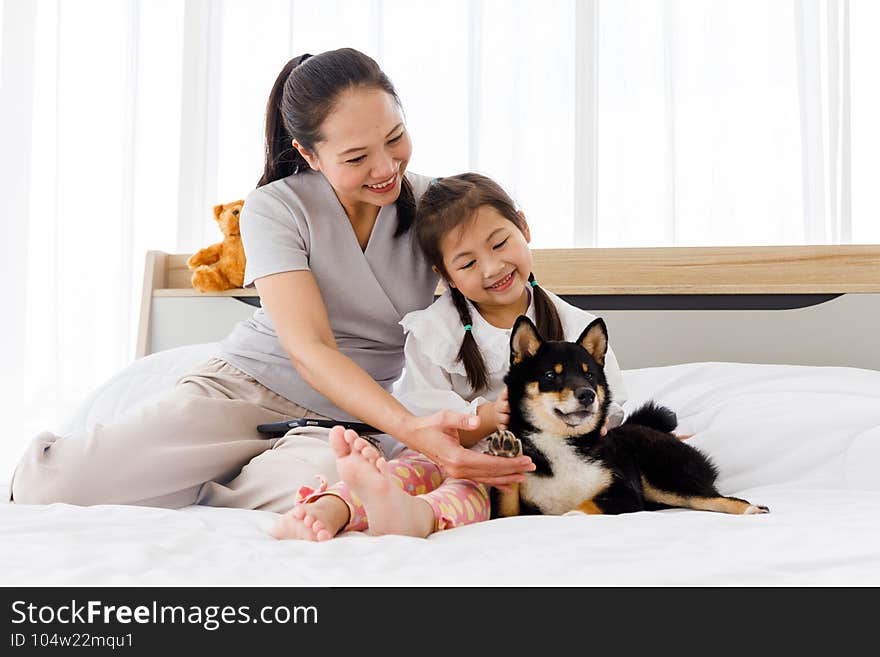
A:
(803, 440)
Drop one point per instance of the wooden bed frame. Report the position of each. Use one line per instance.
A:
(807, 305)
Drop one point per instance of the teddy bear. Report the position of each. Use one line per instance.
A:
(221, 266)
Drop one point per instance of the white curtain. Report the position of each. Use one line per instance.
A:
(613, 123)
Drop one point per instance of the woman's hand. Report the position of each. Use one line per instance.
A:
(436, 436)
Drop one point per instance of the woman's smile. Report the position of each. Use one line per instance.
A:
(385, 185)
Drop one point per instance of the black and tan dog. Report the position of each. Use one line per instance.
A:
(559, 399)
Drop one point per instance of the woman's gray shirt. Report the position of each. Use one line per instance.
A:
(297, 223)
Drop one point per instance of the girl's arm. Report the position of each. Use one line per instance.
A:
(305, 334)
(614, 376)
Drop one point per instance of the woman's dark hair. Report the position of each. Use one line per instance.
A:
(448, 204)
(304, 94)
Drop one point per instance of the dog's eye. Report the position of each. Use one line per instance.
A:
(588, 376)
(550, 375)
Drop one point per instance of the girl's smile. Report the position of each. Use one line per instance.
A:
(503, 283)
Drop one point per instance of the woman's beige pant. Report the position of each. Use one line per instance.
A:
(197, 444)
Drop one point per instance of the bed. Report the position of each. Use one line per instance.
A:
(796, 429)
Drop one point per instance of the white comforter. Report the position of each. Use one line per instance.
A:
(803, 440)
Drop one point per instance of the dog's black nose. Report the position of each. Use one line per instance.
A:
(585, 395)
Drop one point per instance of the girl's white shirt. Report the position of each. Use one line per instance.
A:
(433, 379)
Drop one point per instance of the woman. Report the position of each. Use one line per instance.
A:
(330, 250)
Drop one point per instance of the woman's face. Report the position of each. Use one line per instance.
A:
(488, 259)
(365, 150)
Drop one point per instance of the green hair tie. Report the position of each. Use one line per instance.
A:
(468, 327)
(533, 283)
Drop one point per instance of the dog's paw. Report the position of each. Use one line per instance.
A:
(755, 508)
(504, 443)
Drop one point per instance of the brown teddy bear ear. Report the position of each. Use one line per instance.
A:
(217, 210)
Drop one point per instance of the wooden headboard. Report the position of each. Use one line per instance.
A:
(811, 305)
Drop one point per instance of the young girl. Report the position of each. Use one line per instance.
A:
(456, 355)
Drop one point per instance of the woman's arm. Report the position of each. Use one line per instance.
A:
(615, 378)
(305, 334)
(304, 331)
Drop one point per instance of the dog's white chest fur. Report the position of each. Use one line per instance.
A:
(574, 478)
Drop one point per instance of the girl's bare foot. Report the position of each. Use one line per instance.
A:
(390, 510)
(320, 520)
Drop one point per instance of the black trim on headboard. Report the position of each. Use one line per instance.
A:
(696, 301)
(676, 301)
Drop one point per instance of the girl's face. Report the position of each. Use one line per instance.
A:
(488, 259)
(365, 150)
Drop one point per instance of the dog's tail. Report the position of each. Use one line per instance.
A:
(655, 416)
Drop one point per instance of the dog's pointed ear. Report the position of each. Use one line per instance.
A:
(524, 340)
(595, 340)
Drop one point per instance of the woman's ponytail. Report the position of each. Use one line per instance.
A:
(469, 353)
(282, 159)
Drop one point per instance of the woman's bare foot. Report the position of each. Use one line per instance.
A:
(320, 520)
(390, 510)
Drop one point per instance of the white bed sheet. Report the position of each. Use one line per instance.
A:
(803, 440)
